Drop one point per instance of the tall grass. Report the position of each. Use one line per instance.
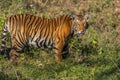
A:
(94, 56)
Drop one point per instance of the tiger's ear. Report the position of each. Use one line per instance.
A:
(87, 17)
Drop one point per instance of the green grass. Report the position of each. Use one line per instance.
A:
(100, 45)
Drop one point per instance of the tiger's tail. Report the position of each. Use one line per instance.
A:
(4, 37)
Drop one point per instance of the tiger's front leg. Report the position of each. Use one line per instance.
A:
(58, 50)
(65, 51)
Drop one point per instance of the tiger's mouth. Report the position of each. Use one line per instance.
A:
(81, 32)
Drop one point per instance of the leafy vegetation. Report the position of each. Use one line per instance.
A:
(94, 56)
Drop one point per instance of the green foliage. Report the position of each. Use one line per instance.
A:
(94, 56)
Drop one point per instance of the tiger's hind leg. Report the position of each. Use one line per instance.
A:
(14, 55)
(16, 48)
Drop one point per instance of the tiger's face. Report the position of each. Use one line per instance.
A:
(80, 24)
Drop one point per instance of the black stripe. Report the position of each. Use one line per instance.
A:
(10, 25)
(17, 43)
(41, 28)
(37, 29)
(24, 24)
(17, 46)
(20, 39)
(16, 28)
(34, 30)
(47, 34)
(36, 26)
(27, 21)
(38, 23)
(21, 19)
(54, 21)
(30, 24)
(3, 37)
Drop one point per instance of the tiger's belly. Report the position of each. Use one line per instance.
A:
(32, 43)
(40, 43)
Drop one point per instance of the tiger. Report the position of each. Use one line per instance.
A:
(41, 32)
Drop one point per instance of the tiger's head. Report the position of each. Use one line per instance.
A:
(80, 23)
